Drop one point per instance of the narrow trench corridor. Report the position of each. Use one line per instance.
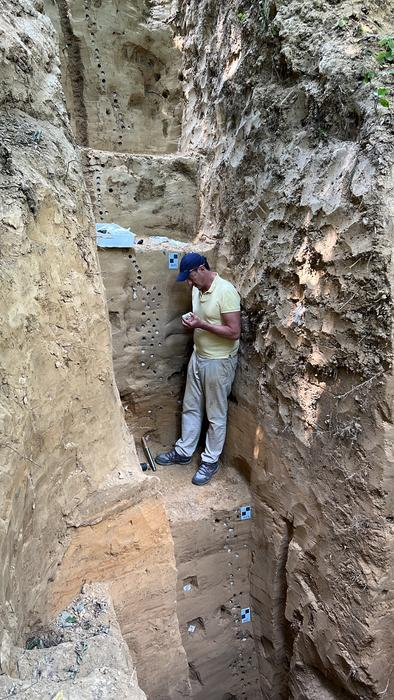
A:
(138, 180)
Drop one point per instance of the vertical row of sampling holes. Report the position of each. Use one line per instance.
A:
(92, 28)
(119, 120)
(240, 665)
(150, 322)
(95, 161)
(196, 627)
(96, 165)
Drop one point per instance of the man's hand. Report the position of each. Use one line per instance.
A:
(193, 321)
(230, 328)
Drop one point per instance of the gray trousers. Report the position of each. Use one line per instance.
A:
(207, 388)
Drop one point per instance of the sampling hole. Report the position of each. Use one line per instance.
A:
(189, 583)
(196, 628)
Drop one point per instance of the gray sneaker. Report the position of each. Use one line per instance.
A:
(204, 473)
(171, 457)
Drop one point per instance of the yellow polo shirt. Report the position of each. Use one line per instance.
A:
(221, 298)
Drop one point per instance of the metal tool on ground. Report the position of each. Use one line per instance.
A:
(148, 454)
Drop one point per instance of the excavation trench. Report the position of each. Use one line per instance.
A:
(204, 126)
(210, 528)
(131, 102)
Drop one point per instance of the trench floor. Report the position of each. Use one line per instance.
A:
(213, 554)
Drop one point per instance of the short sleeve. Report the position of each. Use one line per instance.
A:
(230, 300)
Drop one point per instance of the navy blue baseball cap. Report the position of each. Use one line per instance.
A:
(190, 262)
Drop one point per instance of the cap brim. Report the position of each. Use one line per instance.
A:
(182, 277)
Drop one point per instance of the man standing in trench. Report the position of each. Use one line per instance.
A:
(216, 323)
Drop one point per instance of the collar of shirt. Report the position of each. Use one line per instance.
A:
(211, 288)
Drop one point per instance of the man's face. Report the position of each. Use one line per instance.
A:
(196, 277)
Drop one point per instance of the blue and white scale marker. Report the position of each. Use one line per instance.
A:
(173, 261)
(245, 615)
(245, 512)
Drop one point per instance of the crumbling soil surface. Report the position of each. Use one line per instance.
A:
(283, 100)
(80, 655)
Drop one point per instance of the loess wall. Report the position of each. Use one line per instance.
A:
(74, 504)
(123, 539)
(152, 195)
(288, 166)
(58, 397)
(120, 68)
(150, 346)
(296, 190)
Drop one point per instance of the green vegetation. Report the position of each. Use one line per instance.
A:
(385, 57)
(369, 75)
(342, 22)
(387, 53)
(381, 93)
(242, 16)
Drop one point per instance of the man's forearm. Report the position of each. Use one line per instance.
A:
(221, 330)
